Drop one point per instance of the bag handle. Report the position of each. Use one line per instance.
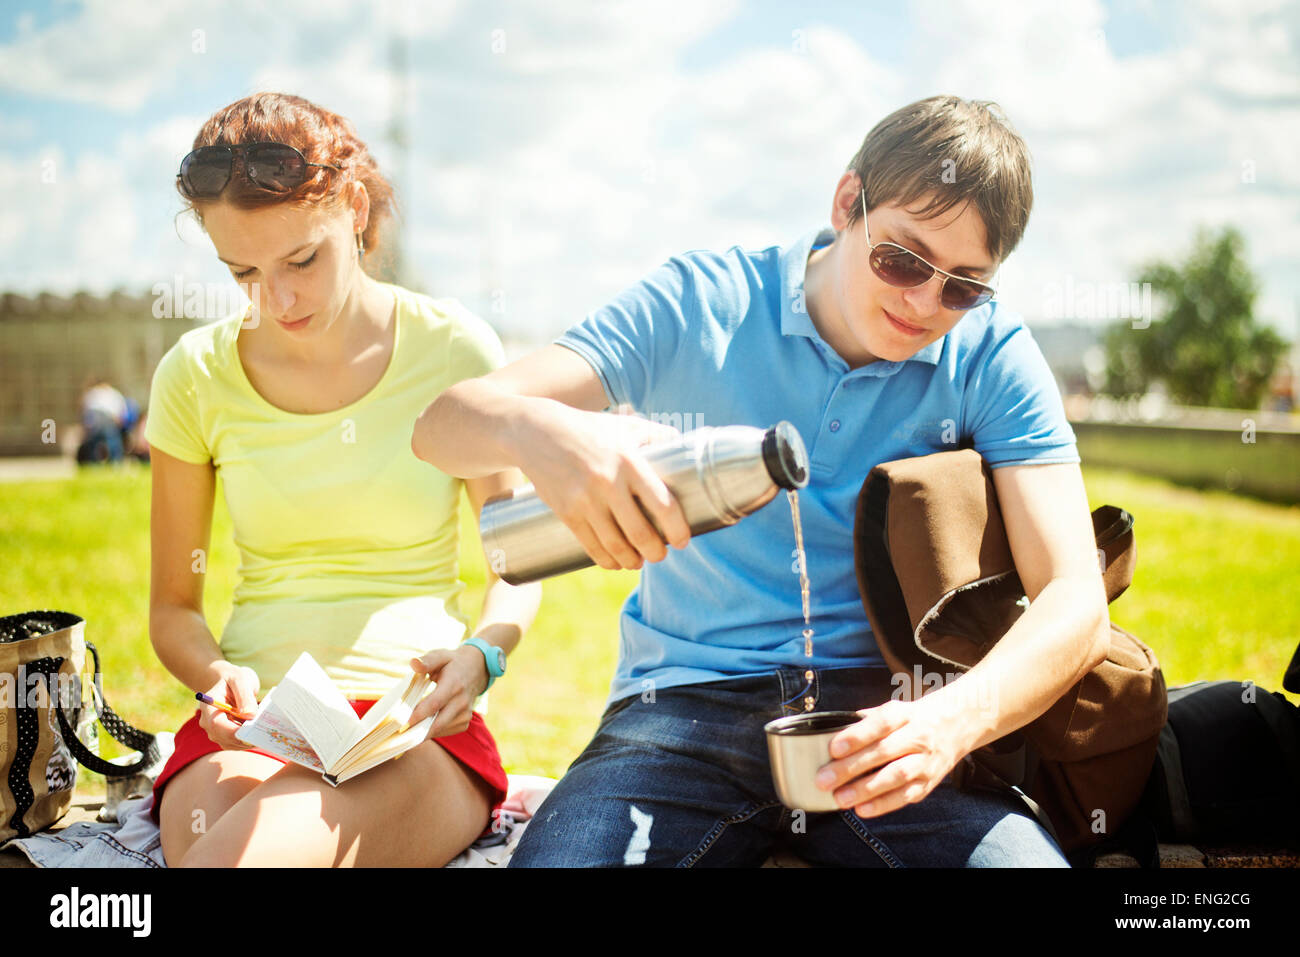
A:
(121, 731)
(1113, 528)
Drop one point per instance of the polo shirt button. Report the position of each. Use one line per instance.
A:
(835, 425)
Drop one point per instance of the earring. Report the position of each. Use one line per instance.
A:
(361, 247)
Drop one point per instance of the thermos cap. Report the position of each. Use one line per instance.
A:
(785, 456)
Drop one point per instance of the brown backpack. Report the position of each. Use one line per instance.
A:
(940, 587)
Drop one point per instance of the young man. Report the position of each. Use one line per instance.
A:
(874, 354)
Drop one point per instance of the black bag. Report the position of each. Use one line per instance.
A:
(1227, 766)
(1291, 680)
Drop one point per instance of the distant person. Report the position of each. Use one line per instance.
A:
(1282, 394)
(139, 445)
(134, 444)
(104, 417)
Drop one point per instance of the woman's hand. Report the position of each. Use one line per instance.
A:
(588, 468)
(461, 675)
(897, 754)
(237, 688)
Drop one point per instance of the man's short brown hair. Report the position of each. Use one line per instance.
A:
(953, 151)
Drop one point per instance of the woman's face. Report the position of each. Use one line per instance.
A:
(297, 265)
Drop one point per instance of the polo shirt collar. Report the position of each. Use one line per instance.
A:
(795, 320)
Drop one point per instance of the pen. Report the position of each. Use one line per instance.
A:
(200, 696)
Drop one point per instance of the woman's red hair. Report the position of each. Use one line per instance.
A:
(321, 136)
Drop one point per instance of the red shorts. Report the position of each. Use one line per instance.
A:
(474, 748)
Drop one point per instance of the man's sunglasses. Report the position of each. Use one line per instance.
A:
(271, 166)
(905, 269)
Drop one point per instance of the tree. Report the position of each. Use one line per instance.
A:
(1206, 346)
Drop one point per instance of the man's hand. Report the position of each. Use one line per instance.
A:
(897, 754)
(588, 468)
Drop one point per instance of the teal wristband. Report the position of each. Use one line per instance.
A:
(493, 656)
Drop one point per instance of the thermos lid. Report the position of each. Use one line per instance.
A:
(785, 457)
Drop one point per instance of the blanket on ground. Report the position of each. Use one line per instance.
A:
(133, 840)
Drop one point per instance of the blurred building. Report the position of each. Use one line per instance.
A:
(1068, 349)
(50, 345)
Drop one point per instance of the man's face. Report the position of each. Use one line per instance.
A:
(887, 322)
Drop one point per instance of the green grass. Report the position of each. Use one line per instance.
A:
(1215, 587)
(82, 545)
(1213, 595)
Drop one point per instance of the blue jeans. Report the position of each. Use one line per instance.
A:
(680, 778)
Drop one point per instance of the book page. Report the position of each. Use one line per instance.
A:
(389, 748)
(272, 732)
(385, 707)
(386, 717)
(317, 708)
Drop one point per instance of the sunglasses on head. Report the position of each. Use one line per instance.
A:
(905, 269)
(271, 166)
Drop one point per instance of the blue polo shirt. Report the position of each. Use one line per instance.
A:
(724, 339)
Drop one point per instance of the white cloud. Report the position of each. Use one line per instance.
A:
(101, 220)
(1133, 153)
(578, 152)
(654, 161)
(118, 54)
(111, 54)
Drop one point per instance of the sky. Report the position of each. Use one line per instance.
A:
(557, 152)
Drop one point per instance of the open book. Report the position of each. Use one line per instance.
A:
(305, 719)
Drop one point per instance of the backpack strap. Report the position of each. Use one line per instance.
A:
(1113, 528)
(996, 772)
(1169, 760)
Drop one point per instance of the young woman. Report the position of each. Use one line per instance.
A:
(304, 407)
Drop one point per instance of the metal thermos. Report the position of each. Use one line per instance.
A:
(718, 475)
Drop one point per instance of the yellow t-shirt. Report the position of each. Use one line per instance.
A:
(347, 541)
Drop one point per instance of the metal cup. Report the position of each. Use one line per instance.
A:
(121, 789)
(798, 746)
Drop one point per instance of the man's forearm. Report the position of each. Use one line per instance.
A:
(467, 430)
(1062, 636)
